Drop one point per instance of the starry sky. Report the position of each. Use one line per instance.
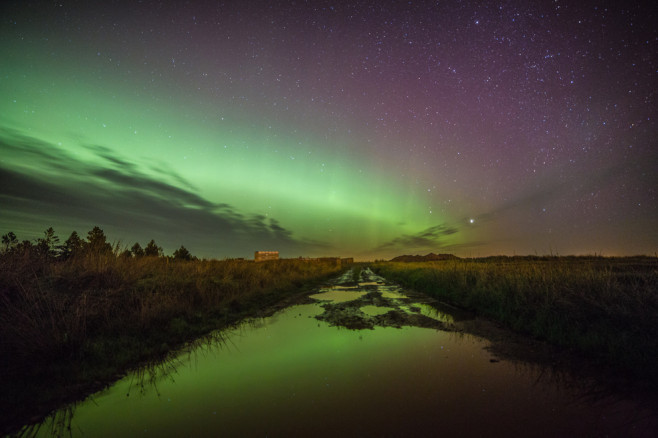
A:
(363, 129)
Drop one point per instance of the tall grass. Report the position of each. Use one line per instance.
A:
(57, 307)
(606, 308)
(69, 322)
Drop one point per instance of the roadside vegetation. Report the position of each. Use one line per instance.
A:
(74, 316)
(356, 273)
(606, 308)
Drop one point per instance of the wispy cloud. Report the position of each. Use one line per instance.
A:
(46, 184)
(431, 238)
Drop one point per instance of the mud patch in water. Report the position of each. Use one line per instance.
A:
(377, 305)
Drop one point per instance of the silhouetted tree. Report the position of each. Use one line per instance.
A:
(126, 254)
(137, 250)
(9, 240)
(72, 246)
(152, 249)
(98, 242)
(25, 247)
(182, 254)
(47, 245)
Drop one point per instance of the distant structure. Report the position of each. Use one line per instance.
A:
(431, 257)
(261, 256)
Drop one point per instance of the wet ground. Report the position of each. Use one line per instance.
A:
(371, 302)
(360, 358)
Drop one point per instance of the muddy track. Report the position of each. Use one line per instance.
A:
(373, 302)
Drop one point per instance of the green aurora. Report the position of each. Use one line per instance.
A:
(235, 128)
(336, 200)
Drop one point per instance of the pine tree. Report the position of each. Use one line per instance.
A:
(98, 242)
(9, 240)
(47, 245)
(152, 249)
(182, 254)
(137, 250)
(73, 246)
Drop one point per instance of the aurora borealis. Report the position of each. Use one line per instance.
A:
(366, 129)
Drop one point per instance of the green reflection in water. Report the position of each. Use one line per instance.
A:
(391, 292)
(375, 310)
(291, 375)
(338, 296)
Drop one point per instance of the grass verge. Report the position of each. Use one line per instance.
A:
(68, 327)
(606, 308)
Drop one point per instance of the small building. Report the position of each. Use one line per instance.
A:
(261, 256)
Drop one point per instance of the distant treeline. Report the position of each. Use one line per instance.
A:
(49, 246)
(431, 257)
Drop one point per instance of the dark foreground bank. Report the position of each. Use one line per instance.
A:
(68, 327)
(606, 308)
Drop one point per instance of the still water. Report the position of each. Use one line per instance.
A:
(294, 375)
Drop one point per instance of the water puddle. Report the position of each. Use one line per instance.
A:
(338, 296)
(377, 305)
(304, 372)
(374, 310)
(391, 292)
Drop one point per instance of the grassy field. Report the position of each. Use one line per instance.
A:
(604, 307)
(70, 325)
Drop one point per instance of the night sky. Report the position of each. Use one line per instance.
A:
(366, 129)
